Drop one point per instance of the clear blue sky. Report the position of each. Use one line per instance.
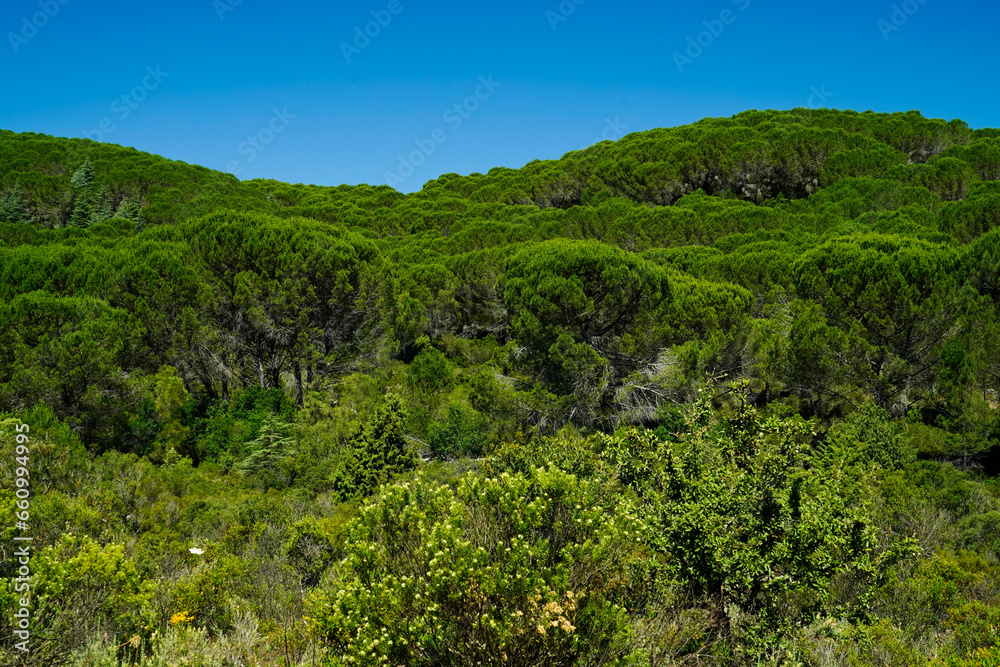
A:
(225, 68)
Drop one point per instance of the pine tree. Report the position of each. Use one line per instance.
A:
(83, 210)
(83, 205)
(128, 209)
(271, 445)
(380, 452)
(102, 209)
(83, 177)
(12, 208)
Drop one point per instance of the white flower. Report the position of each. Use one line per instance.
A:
(196, 551)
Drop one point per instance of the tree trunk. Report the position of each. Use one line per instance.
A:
(299, 391)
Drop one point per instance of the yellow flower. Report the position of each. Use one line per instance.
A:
(181, 618)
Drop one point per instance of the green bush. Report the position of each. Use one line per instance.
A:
(379, 450)
(741, 511)
(81, 589)
(309, 551)
(462, 433)
(524, 570)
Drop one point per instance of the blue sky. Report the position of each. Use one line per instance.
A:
(269, 90)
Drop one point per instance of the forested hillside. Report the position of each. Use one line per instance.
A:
(721, 394)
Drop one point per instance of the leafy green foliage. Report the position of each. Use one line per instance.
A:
(517, 569)
(462, 433)
(583, 310)
(267, 451)
(78, 585)
(742, 515)
(379, 451)
(309, 551)
(734, 385)
(429, 372)
(869, 434)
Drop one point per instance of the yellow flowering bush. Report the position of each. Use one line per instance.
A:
(79, 586)
(506, 570)
(181, 618)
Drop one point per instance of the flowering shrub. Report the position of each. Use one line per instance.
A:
(506, 570)
(79, 588)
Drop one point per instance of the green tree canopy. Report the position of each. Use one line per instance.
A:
(584, 310)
